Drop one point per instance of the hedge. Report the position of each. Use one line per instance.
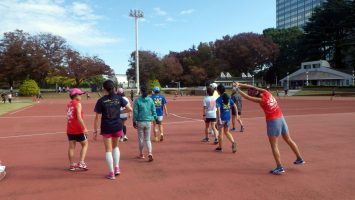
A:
(29, 88)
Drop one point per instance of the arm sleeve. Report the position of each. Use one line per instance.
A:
(135, 111)
(98, 107)
(153, 110)
(123, 102)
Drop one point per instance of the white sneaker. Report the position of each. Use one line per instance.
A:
(121, 139)
(125, 138)
(2, 168)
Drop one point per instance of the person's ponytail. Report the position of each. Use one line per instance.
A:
(109, 86)
(225, 98)
(144, 91)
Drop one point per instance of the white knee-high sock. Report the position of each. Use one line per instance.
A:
(116, 156)
(109, 161)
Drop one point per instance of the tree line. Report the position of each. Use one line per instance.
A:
(47, 59)
(329, 35)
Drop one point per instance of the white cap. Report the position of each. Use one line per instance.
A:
(214, 85)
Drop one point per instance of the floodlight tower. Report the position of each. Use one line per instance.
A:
(136, 14)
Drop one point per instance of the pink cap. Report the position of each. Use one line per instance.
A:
(75, 91)
(120, 90)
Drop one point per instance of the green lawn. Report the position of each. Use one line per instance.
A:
(7, 107)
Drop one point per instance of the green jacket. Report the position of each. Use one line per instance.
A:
(144, 110)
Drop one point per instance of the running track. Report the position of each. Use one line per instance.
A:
(33, 145)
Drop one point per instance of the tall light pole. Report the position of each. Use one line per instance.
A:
(353, 78)
(307, 82)
(253, 80)
(136, 14)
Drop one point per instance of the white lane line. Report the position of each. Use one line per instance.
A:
(17, 111)
(62, 132)
(40, 116)
(178, 116)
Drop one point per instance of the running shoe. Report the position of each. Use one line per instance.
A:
(218, 149)
(234, 147)
(125, 138)
(82, 166)
(232, 129)
(141, 156)
(2, 175)
(150, 158)
(161, 137)
(242, 129)
(121, 139)
(277, 171)
(299, 161)
(73, 167)
(111, 176)
(117, 171)
(205, 140)
(215, 141)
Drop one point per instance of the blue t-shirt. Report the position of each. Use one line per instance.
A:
(159, 102)
(110, 108)
(225, 110)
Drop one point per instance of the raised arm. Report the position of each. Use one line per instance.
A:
(241, 85)
(250, 98)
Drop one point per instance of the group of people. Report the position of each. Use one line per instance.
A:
(218, 111)
(6, 97)
(112, 112)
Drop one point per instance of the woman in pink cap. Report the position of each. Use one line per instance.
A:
(76, 130)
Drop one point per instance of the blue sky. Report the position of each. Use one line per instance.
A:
(103, 28)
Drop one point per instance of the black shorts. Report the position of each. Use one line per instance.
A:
(234, 112)
(77, 137)
(208, 120)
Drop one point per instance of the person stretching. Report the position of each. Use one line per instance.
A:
(275, 122)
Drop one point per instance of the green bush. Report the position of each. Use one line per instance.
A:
(153, 83)
(29, 88)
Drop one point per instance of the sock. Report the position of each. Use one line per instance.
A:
(124, 130)
(116, 156)
(109, 161)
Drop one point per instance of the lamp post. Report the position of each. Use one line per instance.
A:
(253, 79)
(307, 83)
(136, 14)
(353, 78)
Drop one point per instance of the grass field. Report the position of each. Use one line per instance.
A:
(9, 107)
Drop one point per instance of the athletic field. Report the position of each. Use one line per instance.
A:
(33, 145)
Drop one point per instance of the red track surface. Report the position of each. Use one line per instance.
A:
(33, 145)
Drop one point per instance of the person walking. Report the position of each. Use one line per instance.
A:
(144, 113)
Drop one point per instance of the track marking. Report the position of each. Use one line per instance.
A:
(178, 116)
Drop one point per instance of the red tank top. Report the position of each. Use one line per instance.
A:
(270, 106)
(73, 125)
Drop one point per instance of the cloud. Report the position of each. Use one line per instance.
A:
(170, 19)
(160, 12)
(187, 12)
(76, 22)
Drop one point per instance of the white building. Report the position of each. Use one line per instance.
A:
(317, 73)
(123, 81)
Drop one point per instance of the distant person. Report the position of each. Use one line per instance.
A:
(275, 121)
(333, 94)
(224, 104)
(88, 96)
(210, 115)
(161, 109)
(108, 108)
(11, 89)
(236, 113)
(9, 97)
(59, 89)
(286, 92)
(144, 113)
(2, 171)
(124, 115)
(3, 97)
(76, 130)
(132, 95)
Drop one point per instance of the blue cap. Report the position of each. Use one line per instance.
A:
(156, 89)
